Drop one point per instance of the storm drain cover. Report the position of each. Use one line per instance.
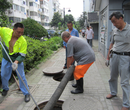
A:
(52, 70)
(82, 103)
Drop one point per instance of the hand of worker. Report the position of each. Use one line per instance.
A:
(107, 63)
(14, 66)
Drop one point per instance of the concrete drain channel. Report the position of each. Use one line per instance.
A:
(58, 105)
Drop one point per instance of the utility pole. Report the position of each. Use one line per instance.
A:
(64, 18)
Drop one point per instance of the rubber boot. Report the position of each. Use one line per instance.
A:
(79, 88)
(75, 85)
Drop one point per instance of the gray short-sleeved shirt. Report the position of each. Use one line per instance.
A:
(121, 39)
(80, 50)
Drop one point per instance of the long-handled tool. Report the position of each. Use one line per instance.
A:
(19, 75)
(51, 103)
(16, 81)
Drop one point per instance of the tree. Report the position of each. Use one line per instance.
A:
(82, 19)
(4, 20)
(33, 28)
(77, 25)
(4, 5)
(69, 18)
(56, 19)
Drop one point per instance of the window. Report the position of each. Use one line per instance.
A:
(41, 2)
(16, 7)
(42, 16)
(22, 9)
(14, 19)
(11, 19)
(33, 4)
(30, 3)
(17, 19)
(32, 13)
(26, 3)
(23, 19)
(39, 15)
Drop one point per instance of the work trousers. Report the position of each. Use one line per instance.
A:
(120, 65)
(6, 71)
(89, 42)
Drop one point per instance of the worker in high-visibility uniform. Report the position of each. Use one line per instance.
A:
(16, 46)
(80, 51)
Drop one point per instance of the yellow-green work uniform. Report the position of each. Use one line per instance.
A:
(19, 53)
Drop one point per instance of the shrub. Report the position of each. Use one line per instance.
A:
(37, 51)
(33, 28)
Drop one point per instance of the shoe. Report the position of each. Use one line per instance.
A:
(4, 92)
(124, 108)
(76, 91)
(74, 85)
(27, 98)
(109, 96)
(64, 67)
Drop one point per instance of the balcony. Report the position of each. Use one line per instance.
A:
(97, 5)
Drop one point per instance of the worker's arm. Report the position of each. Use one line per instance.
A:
(70, 60)
(86, 35)
(64, 44)
(108, 55)
(93, 35)
(22, 53)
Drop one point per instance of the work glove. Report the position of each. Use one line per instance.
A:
(14, 66)
(107, 63)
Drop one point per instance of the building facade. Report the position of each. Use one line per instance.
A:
(41, 11)
(85, 5)
(105, 8)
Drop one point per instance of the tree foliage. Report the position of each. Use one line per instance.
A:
(33, 28)
(82, 19)
(4, 20)
(4, 5)
(56, 19)
(69, 18)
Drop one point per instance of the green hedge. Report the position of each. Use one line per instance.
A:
(33, 29)
(38, 50)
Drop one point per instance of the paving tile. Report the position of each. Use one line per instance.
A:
(42, 87)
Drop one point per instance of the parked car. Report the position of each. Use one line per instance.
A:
(51, 32)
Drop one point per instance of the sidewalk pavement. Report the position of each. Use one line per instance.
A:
(42, 87)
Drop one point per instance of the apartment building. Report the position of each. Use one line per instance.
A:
(39, 10)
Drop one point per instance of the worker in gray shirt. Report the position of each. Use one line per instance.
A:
(119, 55)
(80, 51)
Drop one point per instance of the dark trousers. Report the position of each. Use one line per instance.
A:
(89, 42)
